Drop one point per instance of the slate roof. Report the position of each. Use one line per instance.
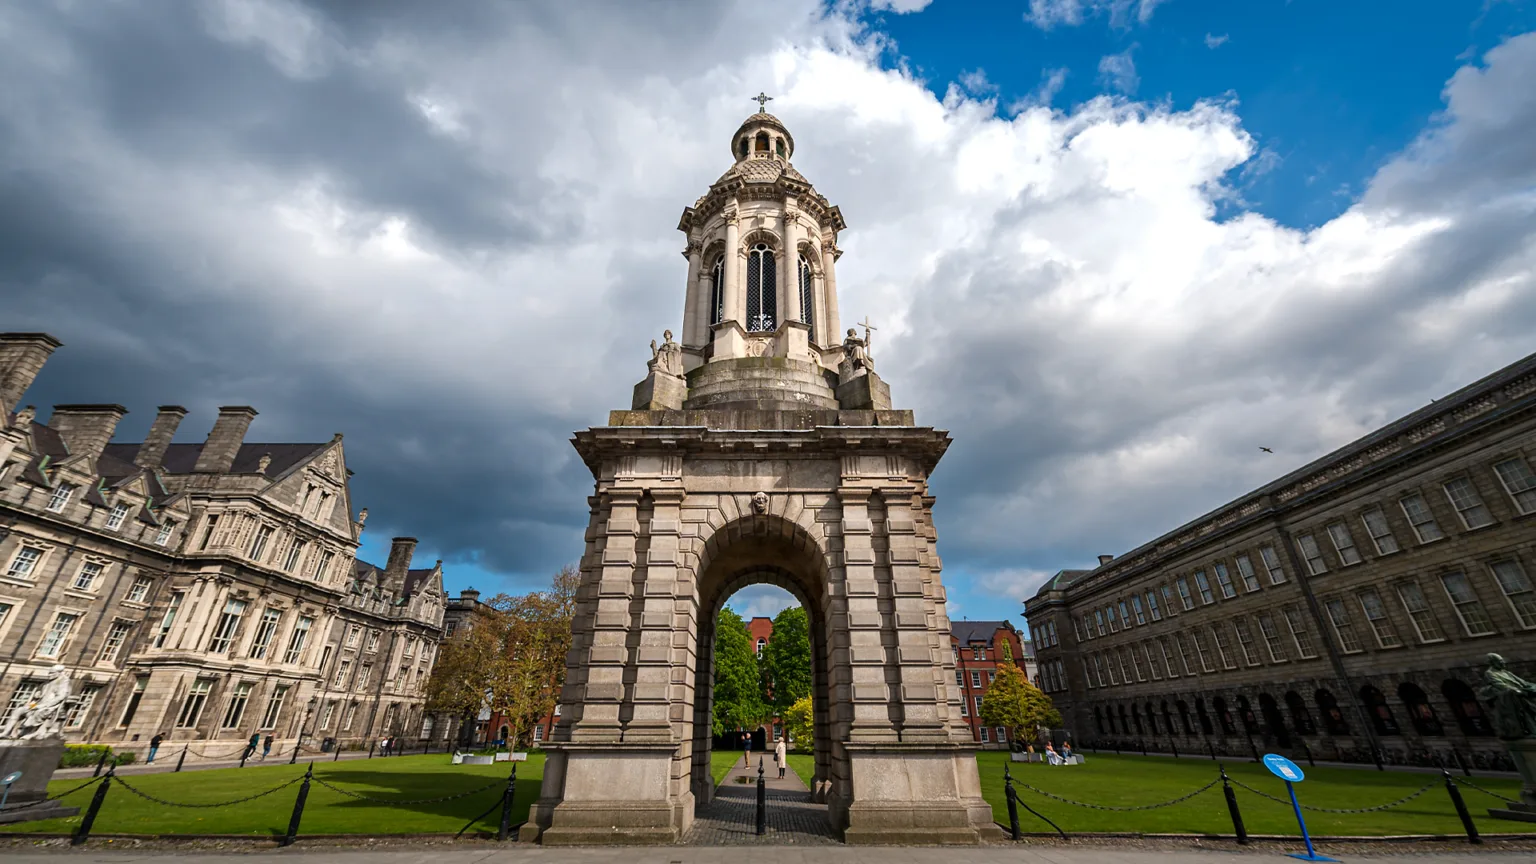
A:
(968, 632)
(181, 458)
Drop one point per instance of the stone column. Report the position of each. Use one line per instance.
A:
(734, 295)
(792, 267)
(869, 694)
(919, 660)
(650, 719)
(608, 653)
(693, 329)
(703, 285)
(832, 326)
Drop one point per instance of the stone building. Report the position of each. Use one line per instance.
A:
(203, 592)
(1345, 609)
(978, 649)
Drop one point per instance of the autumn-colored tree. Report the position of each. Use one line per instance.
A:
(461, 674)
(1013, 702)
(800, 722)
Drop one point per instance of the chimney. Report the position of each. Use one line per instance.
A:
(225, 439)
(22, 356)
(470, 594)
(86, 429)
(152, 451)
(400, 550)
(1105, 559)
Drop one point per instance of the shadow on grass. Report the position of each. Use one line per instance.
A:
(423, 794)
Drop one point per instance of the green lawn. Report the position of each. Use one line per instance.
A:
(804, 766)
(325, 812)
(1133, 780)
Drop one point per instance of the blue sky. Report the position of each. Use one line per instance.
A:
(1113, 246)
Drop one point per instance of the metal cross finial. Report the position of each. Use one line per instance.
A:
(762, 99)
(867, 327)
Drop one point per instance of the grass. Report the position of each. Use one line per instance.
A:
(803, 764)
(1133, 780)
(326, 811)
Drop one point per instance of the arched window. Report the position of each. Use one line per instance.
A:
(1380, 713)
(778, 144)
(1136, 718)
(1223, 716)
(717, 287)
(1184, 717)
(1270, 710)
(426, 727)
(1466, 709)
(807, 295)
(761, 644)
(1245, 713)
(1205, 719)
(762, 296)
(745, 145)
(1098, 720)
(1301, 718)
(1420, 713)
(1125, 724)
(762, 142)
(1151, 719)
(1333, 718)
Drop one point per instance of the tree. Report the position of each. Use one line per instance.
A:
(1011, 701)
(787, 660)
(461, 674)
(738, 699)
(799, 721)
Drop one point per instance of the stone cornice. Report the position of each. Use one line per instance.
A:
(599, 443)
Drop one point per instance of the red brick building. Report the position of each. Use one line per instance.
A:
(978, 647)
(761, 630)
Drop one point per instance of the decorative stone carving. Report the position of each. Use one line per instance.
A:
(263, 462)
(759, 347)
(667, 358)
(43, 717)
(25, 416)
(362, 517)
(854, 353)
(760, 503)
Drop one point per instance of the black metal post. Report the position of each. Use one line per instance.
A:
(762, 800)
(298, 808)
(1237, 816)
(84, 832)
(182, 758)
(1461, 807)
(337, 754)
(1253, 748)
(370, 749)
(506, 806)
(1013, 803)
(1465, 770)
(101, 762)
(1143, 743)
(1175, 745)
(1308, 751)
(1211, 748)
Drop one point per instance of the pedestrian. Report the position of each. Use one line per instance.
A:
(266, 747)
(384, 745)
(1066, 752)
(250, 747)
(779, 756)
(1051, 756)
(154, 745)
(746, 749)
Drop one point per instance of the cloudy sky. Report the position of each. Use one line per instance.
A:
(1113, 246)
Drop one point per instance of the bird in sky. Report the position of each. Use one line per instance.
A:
(1266, 450)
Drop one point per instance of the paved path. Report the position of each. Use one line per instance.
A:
(731, 819)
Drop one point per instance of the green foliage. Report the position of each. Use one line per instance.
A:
(1013, 702)
(800, 722)
(738, 693)
(86, 756)
(787, 659)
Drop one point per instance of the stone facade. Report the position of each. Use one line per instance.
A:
(202, 592)
(1345, 609)
(755, 453)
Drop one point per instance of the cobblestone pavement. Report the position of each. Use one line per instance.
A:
(731, 819)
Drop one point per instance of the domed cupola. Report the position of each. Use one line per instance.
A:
(762, 136)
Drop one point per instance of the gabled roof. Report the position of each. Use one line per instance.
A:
(182, 458)
(968, 632)
(415, 579)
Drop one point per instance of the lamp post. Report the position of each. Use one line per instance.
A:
(309, 711)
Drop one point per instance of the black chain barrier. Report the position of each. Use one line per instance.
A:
(1398, 803)
(375, 800)
(67, 793)
(1462, 781)
(146, 796)
(1178, 800)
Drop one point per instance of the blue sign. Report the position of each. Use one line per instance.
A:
(1283, 768)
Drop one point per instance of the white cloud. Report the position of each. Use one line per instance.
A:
(1047, 14)
(900, 7)
(1118, 72)
(1215, 41)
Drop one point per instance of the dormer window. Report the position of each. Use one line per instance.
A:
(164, 533)
(60, 497)
(116, 516)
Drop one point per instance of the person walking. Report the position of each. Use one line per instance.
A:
(746, 749)
(780, 756)
(266, 747)
(154, 746)
(250, 747)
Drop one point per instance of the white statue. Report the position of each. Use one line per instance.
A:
(668, 356)
(43, 717)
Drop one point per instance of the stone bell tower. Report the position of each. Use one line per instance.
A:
(761, 447)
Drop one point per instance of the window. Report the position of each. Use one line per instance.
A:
(410, 647)
(373, 640)
(538, 733)
(1173, 671)
(5, 612)
(985, 735)
(274, 707)
(991, 675)
(1312, 554)
(58, 635)
(1245, 570)
(116, 516)
(717, 290)
(353, 633)
(1088, 674)
(1376, 615)
(322, 565)
(1141, 615)
(1245, 641)
(1272, 564)
(164, 534)
(1167, 598)
(1299, 633)
(1343, 543)
(134, 697)
(1152, 665)
(1519, 482)
(1224, 581)
(1098, 668)
(85, 580)
(265, 630)
(139, 593)
(762, 289)
(330, 709)
(1272, 641)
(965, 710)
(1204, 584)
(1349, 640)
(224, 631)
(1420, 518)
(296, 640)
(807, 294)
(236, 709)
(1152, 607)
(1375, 522)
(978, 652)
(169, 618)
(1183, 654)
(1202, 652)
(1223, 646)
(959, 678)
(1050, 631)
(1184, 597)
(346, 723)
(978, 705)
(1136, 664)
(212, 523)
(24, 693)
(325, 657)
(1517, 587)
(363, 674)
(1114, 673)
(346, 665)
(60, 497)
(1114, 619)
(1002, 734)
(26, 559)
(192, 705)
(1469, 505)
(295, 550)
(116, 635)
(1468, 608)
(975, 678)
(1419, 613)
(259, 544)
(1125, 614)
(1098, 620)
(81, 709)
